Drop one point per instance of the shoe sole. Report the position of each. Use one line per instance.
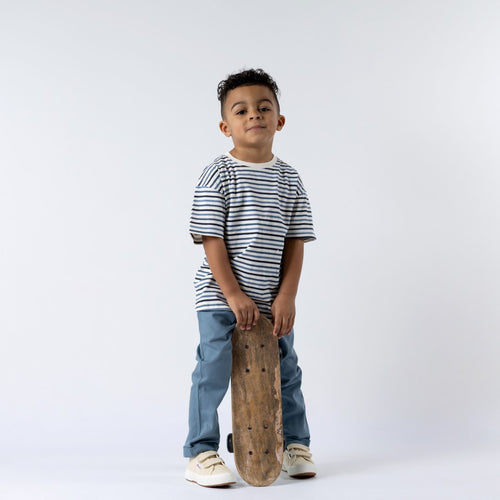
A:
(221, 485)
(304, 475)
(208, 484)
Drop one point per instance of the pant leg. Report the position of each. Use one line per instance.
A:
(295, 427)
(210, 380)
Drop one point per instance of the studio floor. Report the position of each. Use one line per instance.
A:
(363, 474)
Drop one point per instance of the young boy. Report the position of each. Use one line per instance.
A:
(252, 214)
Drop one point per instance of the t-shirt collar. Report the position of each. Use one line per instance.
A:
(269, 163)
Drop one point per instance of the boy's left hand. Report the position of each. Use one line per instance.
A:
(283, 311)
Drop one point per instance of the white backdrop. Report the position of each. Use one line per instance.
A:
(108, 113)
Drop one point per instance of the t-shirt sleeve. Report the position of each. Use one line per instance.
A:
(301, 221)
(208, 214)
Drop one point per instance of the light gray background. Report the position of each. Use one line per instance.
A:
(108, 113)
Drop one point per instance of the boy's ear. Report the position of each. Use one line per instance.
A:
(281, 122)
(224, 127)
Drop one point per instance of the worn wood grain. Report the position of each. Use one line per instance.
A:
(256, 404)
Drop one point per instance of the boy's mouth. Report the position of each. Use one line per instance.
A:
(256, 127)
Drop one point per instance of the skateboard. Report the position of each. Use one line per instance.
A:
(257, 438)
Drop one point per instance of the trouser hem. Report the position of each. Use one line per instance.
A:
(191, 452)
(305, 442)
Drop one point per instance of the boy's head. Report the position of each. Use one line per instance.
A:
(250, 113)
(245, 78)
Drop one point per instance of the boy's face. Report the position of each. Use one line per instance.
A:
(251, 117)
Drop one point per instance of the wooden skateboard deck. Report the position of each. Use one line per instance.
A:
(256, 404)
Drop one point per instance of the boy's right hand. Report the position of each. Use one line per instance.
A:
(245, 310)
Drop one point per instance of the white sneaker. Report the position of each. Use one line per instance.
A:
(208, 469)
(297, 461)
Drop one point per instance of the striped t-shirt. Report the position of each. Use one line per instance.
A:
(253, 207)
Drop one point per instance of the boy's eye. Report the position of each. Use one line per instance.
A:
(240, 112)
(264, 108)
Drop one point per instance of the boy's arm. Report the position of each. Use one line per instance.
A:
(283, 308)
(243, 307)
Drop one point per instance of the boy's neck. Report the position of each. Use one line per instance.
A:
(252, 155)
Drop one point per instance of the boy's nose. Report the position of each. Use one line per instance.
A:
(255, 113)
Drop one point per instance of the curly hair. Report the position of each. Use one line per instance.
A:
(246, 77)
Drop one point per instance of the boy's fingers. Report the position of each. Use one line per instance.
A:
(256, 316)
(284, 330)
(278, 327)
(238, 320)
(289, 327)
(286, 327)
(242, 321)
(250, 320)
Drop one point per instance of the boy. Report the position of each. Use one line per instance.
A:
(252, 215)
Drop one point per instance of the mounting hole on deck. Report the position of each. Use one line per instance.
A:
(229, 443)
